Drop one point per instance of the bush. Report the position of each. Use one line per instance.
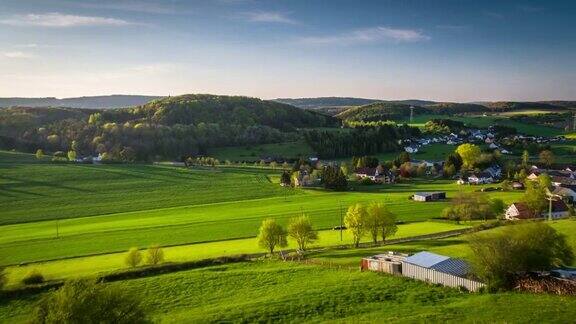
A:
(154, 255)
(499, 257)
(82, 301)
(33, 278)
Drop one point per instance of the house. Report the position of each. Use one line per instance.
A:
(517, 185)
(411, 149)
(390, 262)
(518, 211)
(302, 179)
(481, 178)
(378, 175)
(495, 171)
(567, 193)
(428, 196)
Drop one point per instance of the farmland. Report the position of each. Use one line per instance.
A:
(73, 220)
(486, 121)
(192, 206)
(328, 290)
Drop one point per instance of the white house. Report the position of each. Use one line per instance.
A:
(481, 178)
(411, 149)
(566, 193)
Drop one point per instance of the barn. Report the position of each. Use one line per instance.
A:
(429, 196)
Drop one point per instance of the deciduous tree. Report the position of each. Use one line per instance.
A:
(271, 235)
(133, 257)
(300, 229)
(355, 222)
(469, 153)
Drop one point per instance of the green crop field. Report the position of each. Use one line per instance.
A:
(98, 264)
(211, 205)
(69, 221)
(262, 291)
(486, 121)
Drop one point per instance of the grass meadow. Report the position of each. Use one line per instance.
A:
(321, 290)
(171, 206)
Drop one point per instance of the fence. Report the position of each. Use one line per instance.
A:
(417, 272)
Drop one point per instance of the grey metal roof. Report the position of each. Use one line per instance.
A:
(456, 267)
(426, 259)
(440, 263)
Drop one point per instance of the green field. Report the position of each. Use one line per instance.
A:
(211, 205)
(486, 121)
(68, 221)
(99, 264)
(330, 288)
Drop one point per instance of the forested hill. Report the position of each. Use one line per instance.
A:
(313, 103)
(340, 102)
(94, 102)
(504, 106)
(236, 110)
(164, 128)
(380, 111)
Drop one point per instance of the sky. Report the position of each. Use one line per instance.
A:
(444, 50)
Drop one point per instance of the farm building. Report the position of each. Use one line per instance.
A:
(390, 262)
(429, 196)
(425, 266)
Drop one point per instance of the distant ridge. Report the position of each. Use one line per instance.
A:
(91, 102)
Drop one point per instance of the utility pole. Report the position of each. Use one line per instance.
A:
(341, 220)
(412, 114)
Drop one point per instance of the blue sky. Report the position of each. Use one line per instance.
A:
(452, 50)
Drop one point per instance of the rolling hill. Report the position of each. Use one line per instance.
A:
(94, 102)
(380, 111)
(170, 127)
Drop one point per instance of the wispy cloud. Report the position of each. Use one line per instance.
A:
(144, 6)
(268, 17)
(369, 35)
(58, 20)
(17, 55)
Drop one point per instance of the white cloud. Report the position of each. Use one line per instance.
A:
(17, 55)
(269, 17)
(369, 35)
(59, 20)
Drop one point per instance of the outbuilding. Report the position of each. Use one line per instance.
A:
(429, 196)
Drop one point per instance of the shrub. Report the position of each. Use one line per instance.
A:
(133, 258)
(33, 278)
(154, 255)
(82, 301)
(499, 257)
